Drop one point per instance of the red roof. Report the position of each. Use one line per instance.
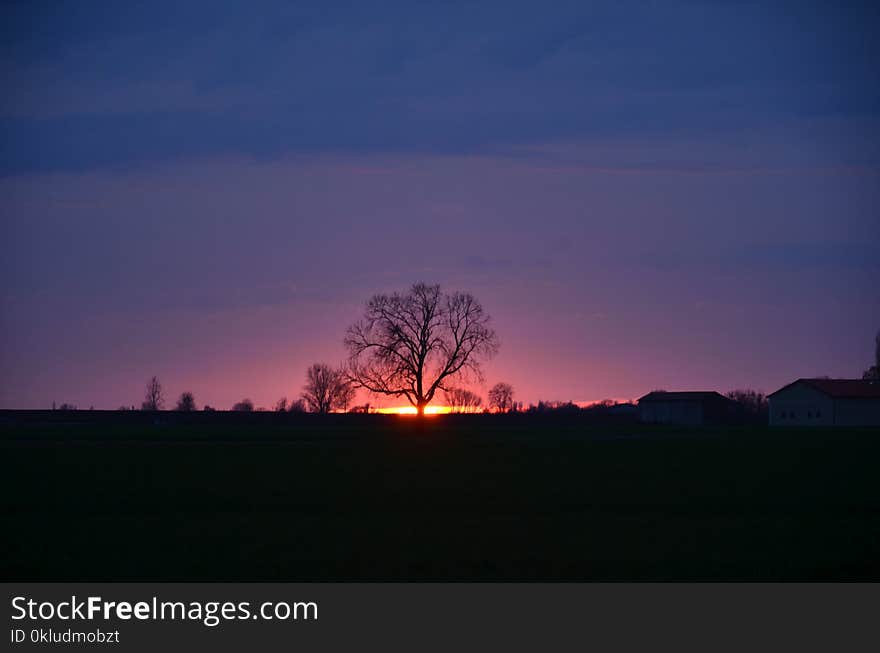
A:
(840, 388)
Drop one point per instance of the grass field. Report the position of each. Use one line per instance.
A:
(453, 498)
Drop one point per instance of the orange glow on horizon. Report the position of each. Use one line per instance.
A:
(411, 410)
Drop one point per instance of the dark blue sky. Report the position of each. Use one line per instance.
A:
(644, 194)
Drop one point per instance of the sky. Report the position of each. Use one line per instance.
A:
(678, 194)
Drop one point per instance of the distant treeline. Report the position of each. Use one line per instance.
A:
(327, 390)
(747, 406)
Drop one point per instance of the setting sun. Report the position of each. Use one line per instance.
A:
(411, 410)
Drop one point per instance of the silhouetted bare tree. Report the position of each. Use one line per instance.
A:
(153, 399)
(244, 406)
(414, 344)
(873, 372)
(186, 402)
(461, 400)
(327, 389)
(297, 406)
(501, 397)
(752, 404)
(281, 405)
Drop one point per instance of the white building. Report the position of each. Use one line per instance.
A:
(826, 402)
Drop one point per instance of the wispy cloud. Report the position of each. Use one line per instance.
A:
(209, 80)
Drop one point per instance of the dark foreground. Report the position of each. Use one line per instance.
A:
(470, 498)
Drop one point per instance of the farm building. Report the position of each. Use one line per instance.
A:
(685, 408)
(826, 402)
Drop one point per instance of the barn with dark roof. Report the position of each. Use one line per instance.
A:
(826, 402)
(684, 408)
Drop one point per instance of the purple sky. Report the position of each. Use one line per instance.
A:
(680, 195)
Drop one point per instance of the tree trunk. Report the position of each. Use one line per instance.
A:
(421, 409)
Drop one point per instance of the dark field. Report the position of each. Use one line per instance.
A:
(458, 498)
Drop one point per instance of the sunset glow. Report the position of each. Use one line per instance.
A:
(586, 200)
(411, 410)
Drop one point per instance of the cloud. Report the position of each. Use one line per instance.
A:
(97, 87)
(814, 259)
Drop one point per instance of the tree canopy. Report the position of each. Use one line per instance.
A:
(415, 343)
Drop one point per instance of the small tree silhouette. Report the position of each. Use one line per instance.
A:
(153, 399)
(461, 400)
(873, 372)
(501, 397)
(186, 402)
(326, 389)
(752, 404)
(244, 406)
